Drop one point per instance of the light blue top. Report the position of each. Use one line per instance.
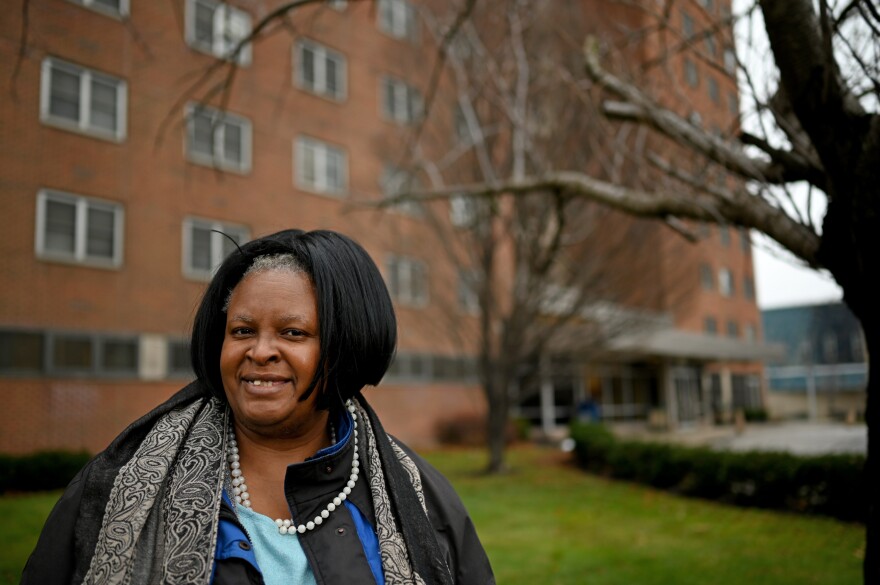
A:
(280, 556)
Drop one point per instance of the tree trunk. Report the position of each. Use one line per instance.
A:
(871, 327)
(499, 406)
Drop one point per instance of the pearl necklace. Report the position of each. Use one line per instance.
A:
(240, 488)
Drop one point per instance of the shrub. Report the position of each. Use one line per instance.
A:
(831, 485)
(44, 470)
(756, 415)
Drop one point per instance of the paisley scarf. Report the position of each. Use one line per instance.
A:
(161, 518)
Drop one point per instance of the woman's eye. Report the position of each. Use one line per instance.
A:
(241, 330)
(294, 333)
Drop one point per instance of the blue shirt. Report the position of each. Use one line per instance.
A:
(280, 556)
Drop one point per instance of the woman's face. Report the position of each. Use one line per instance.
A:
(270, 353)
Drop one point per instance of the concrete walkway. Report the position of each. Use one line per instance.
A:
(801, 438)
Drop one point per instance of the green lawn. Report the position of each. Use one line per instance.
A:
(546, 522)
(552, 524)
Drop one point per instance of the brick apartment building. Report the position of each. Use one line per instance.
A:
(112, 180)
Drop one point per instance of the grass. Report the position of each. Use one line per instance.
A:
(550, 523)
(547, 522)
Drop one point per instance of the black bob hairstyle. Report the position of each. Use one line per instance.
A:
(356, 321)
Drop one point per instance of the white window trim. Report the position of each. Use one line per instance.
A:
(322, 53)
(462, 211)
(217, 49)
(321, 149)
(400, 9)
(216, 244)
(80, 234)
(218, 160)
(100, 8)
(409, 299)
(82, 125)
(410, 96)
(725, 282)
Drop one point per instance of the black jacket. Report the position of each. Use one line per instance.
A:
(335, 553)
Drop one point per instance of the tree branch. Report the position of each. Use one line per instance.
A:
(743, 209)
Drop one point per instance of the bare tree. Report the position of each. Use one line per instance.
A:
(536, 274)
(817, 126)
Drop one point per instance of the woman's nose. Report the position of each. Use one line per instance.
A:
(264, 349)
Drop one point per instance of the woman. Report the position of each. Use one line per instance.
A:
(270, 467)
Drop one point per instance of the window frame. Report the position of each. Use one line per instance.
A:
(123, 12)
(413, 101)
(401, 289)
(409, 30)
(97, 343)
(322, 54)
(82, 125)
(79, 254)
(710, 325)
(725, 282)
(219, 120)
(320, 151)
(216, 244)
(217, 47)
(691, 73)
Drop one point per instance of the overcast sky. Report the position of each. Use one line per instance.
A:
(783, 281)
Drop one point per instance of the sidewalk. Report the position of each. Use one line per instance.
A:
(800, 438)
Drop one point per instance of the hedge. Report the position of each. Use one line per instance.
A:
(830, 485)
(44, 470)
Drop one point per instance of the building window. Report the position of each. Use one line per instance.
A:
(711, 46)
(729, 60)
(468, 291)
(724, 235)
(396, 182)
(85, 353)
(217, 29)
(750, 333)
(397, 18)
(401, 102)
(732, 329)
(725, 282)
(714, 92)
(732, 103)
(749, 288)
(706, 277)
(71, 228)
(207, 243)
(83, 100)
(218, 139)
(856, 346)
(320, 167)
(687, 25)
(407, 280)
(339, 5)
(117, 8)
(179, 363)
(21, 352)
(462, 211)
(829, 348)
(320, 70)
(690, 73)
(710, 326)
(745, 241)
(460, 124)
